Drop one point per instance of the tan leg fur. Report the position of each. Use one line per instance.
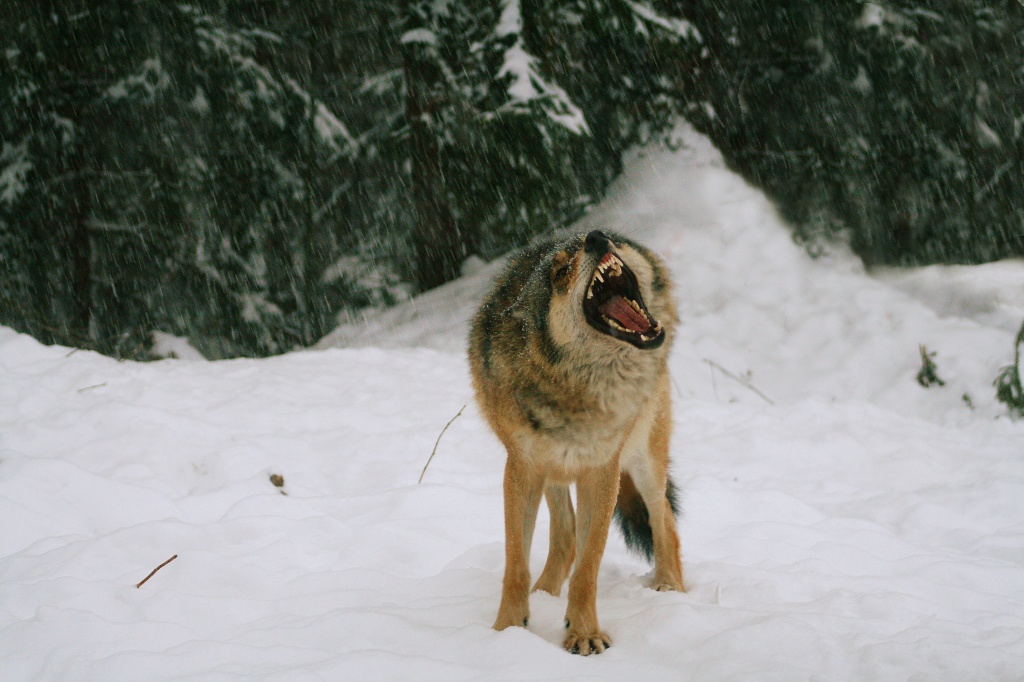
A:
(596, 490)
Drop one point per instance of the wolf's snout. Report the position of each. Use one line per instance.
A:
(597, 242)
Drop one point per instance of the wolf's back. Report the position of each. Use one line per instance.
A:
(514, 315)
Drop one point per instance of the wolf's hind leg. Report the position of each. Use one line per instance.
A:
(562, 550)
(668, 568)
(523, 488)
(650, 476)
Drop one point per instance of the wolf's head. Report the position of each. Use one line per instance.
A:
(607, 287)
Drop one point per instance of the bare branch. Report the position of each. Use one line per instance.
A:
(742, 381)
(153, 572)
(434, 451)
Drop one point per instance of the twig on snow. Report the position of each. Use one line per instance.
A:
(742, 381)
(153, 572)
(89, 388)
(434, 451)
(676, 386)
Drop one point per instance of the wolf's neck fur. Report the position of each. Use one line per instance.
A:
(619, 377)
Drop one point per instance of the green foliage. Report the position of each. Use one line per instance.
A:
(489, 169)
(896, 124)
(241, 173)
(522, 111)
(1009, 390)
(929, 373)
(171, 184)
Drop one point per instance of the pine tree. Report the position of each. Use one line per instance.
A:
(207, 176)
(519, 115)
(170, 162)
(894, 123)
(63, 60)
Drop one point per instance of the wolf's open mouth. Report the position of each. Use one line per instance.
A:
(613, 305)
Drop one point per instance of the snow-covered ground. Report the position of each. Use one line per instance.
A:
(840, 522)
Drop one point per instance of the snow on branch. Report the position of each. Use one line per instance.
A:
(331, 131)
(677, 28)
(144, 85)
(379, 84)
(253, 80)
(256, 84)
(422, 36)
(526, 85)
(14, 169)
(884, 19)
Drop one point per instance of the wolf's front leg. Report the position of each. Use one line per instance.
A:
(523, 488)
(596, 490)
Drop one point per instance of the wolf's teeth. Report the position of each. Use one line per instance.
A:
(613, 324)
(612, 263)
(598, 277)
(590, 293)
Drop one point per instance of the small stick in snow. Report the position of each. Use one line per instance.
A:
(153, 572)
(740, 380)
(676, 386)
(434, 451)
(714, 384)
(89, 388)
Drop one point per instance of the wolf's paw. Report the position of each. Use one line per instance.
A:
(668, 586)
(667, 581)
(509, 620)
(550, 585)
(585, 644)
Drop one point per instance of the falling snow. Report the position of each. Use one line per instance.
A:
(857, 527)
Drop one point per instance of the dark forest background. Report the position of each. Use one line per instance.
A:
(242, 172)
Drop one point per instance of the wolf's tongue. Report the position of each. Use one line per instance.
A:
(622, 312)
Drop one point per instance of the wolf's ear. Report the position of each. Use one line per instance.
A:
(561, 268)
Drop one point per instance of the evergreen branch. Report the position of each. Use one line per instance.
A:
(1009, 389)
(929, 371)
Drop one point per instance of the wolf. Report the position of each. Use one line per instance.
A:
(568, 356)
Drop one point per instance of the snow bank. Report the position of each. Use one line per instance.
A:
(991, 294)
(858, 527)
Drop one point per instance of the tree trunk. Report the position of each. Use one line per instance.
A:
(307, 286)
(438, 244)
(81, 250)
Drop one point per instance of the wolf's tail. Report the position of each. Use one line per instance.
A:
(633, 519)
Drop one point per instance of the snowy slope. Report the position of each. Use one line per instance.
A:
(855, 527)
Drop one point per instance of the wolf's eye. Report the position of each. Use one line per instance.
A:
(561, 266)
